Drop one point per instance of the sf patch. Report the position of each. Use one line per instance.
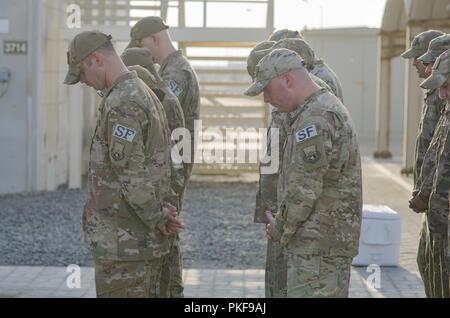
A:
(175, 88)
(311, 154)
(124, 133)
(118, 152)
(306, 133)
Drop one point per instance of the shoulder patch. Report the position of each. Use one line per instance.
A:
(175, 88)
(311, 154)
(306, 133)
(118, 151)
(124, 133)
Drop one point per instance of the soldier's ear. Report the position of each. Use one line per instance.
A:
(289, 80)
(97, 58)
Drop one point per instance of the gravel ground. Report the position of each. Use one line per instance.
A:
(44, 229)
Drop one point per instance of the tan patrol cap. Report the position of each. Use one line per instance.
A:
(276, 63)
(441, 72)
(141, 57)
(144, 28)
(256, 55)
(80, 48)
(300, 47)
(437, 46)
(419, 45)
(285, 34)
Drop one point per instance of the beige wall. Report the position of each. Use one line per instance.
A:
(55, 114)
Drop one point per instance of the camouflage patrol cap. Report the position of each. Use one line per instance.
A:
(419, 45)
(256, 55)
(441, 72)
(437, 46)
(285, 34)
(144, 75)
(80, 48)
(276, 63)
(300, 47)
(144, 28)
(141, 57)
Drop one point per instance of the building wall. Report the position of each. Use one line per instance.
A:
(55, 98)
(34, 117)
(14, 105)
(352, 53)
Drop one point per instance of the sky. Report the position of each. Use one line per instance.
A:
(295, 14)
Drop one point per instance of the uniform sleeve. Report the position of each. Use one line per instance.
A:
(266, 198)
(309, 163)
(178, 84)
(127, 155)
(175, 119)
(425, 178)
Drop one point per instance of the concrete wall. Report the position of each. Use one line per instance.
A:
(55, 112)
(352, 54)
(34, 114)
(14, 105)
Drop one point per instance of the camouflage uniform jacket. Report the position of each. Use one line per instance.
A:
(266, 198)
(436, 176)
(182, 80)
(432, 110)
(128, 175)
(324, 72)
(425, 179)
(320, 187)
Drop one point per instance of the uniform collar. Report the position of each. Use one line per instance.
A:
(169, 58)
(123, 77)
(292, 116)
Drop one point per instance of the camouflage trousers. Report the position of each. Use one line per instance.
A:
(432, 262)
(317, 276)
(276, 271)
(172, 272)
(123, 279)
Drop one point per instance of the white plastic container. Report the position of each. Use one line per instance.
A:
(381, 233)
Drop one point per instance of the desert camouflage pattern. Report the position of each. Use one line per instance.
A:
(129, 175)
(179, 75)
(324, 72)
(431, 113)
(320, 188)
(315, 276)
(118, 279)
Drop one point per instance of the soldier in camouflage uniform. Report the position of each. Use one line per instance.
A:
(126, 219)
(433, 189)
(172, 274)
(428, 135)
(152, 33)
(285, 34)
(320, 188)
(433, 106)
(266, 200)
(315, 66)
(177, 72)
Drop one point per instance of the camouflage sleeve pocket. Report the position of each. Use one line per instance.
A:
(311, 153)
(118, 153)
